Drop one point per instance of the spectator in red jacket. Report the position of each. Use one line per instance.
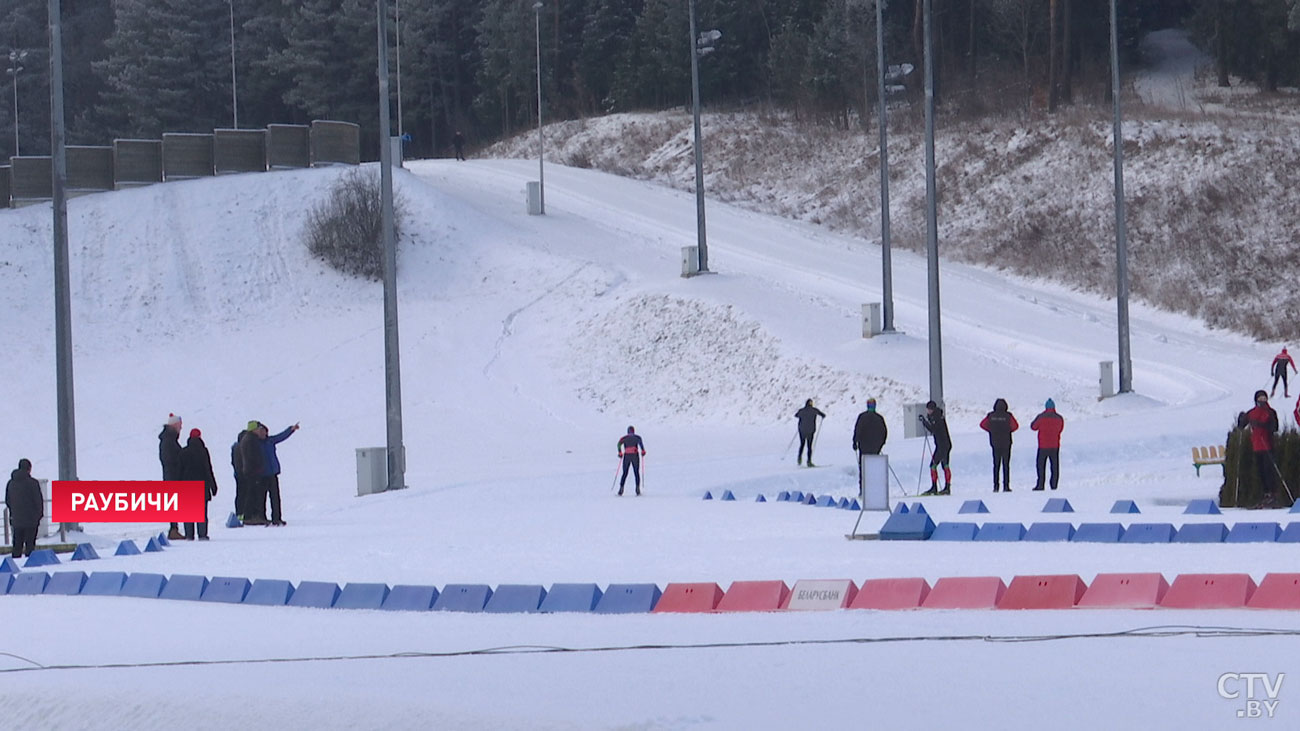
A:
(1280, 362)
(1049, 426)
(1262, 422)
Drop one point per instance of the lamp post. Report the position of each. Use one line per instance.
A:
(931, 218)
(397, 21)
(886, 265)
(396, 450)
(62, 298)
(234, 85)
(1121, 238)
(541, 143)
(15, 65)
(701, 45)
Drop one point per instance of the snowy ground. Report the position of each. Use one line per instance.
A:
(529, 344)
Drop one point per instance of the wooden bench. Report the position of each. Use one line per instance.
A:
(1202, 456)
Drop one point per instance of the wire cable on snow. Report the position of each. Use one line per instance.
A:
(1158, 631)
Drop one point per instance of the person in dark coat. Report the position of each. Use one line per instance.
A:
(271, 470)
(1262, 422)
(1049, 426)
(631, 449)
(934, 422)
(241, 482)
(458, 143)
(253, 462)
(870, 431)
(999, 423)
(169, 453)
(196, 465)
(26, 507)
(807, 417)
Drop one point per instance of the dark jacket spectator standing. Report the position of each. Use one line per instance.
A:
(271, 470)
(1000, 423)
(241, 482)
(1262, 421)
(934, 422)
(807, 417)
(1049, 426)
(196, 465)
(252, 464)
(458, 143)
(1280, 362)
(169, 453)
(26, 507)
(869, 432)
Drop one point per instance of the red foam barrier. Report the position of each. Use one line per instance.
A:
(965, 592)
(891, 594)
(820, 594)
(1043, 592)
(754, 596)
(1276, 591)
(1124, 591)
(1209, 591)
(689, 598)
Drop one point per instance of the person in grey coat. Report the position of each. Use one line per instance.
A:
(26, 507)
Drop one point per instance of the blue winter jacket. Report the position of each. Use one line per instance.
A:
(270, 462)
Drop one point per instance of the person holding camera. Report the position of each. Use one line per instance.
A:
(934, 422)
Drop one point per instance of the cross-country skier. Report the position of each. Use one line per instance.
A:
(631, 449)
(934, 422)
(1280, 362)
(807, 417)
(1262, 421)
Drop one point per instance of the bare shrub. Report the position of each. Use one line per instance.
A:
(346, 229)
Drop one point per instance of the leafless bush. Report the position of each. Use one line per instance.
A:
(346, 229)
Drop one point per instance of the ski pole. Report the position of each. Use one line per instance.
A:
(1280, 477)
(786, 453)
(642, 487)
(925, 448)
(617, 465)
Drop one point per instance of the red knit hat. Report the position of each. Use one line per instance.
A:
(195, 434)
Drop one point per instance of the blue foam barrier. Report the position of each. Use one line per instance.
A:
(41, 557)
(571, 598)
(362, 596)
(1124, 506)
(6, 581)
(162, 540)
(1098, 533)
(795, 497)
(810, 499)
(915, 526)
(186, 587)
(69, 583)
(628, 599)
(1057, 505)
(826, 501)
(411, 598)
(708, 495)
(153, 546)
(954, 532)
(1000, 532)
(1201, 533)
(127, 548)
(843, 503)
(225, 589)
(853, 504)
(1148, 533)
(760, 498)
(463, 598)
(30, 582)
(901, 508)
(317, 594)
(84, 552)
(782, 496)
(516, 598)
(234, 522)
(9, 566)
(143, 586)
(1290, 534)
(269, 593)
(1295, 508)
(1049, 532)
(726, 495)
(1253, 533)
(104, 583)
(973, 506)
(919, 508)
(1202, 507)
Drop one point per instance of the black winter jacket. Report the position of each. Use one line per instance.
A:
(24, 500)
(169, 453)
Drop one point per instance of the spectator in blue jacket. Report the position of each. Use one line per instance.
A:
(271, 470)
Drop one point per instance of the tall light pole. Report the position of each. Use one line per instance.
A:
(398, 29)
(701, 45)
(15, 65)
(541, 143)
(392, 353)
(1121, 237)
(234, 85)
(62, 303)
(931, 220)
(886, 266)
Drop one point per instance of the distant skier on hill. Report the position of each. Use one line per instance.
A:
(458, 143)
(807, 417)
(934, 422)
(1280, 362)
(631, 449)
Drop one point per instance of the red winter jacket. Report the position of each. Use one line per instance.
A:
(1049, 426)
(1263, 422)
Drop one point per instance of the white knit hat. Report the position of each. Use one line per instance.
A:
(173, 420)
